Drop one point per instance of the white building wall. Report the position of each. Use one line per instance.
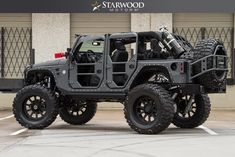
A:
(159, 20)
(140, 22)
(51, 33)
(150, 21)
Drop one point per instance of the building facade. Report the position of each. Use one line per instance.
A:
(54, 32)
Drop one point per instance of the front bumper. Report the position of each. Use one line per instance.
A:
(11, 85)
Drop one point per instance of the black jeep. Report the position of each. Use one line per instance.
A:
(158, 76)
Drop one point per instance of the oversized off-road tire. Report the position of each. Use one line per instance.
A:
(78, 113)
(149, 109)
(196, 115)
(35, 107)
(206, 47)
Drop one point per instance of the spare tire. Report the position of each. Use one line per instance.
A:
(213, 79)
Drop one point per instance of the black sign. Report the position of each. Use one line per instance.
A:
(115, 6)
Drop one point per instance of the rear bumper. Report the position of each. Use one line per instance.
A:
(191, 88)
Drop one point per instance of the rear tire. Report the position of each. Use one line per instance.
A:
(35, 107)
(149, 109)
(78, 113)
(196, 116)
(212, 79)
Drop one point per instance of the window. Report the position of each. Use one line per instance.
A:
(89, 51)
(89, 58)
(122, 50)
(96, 46)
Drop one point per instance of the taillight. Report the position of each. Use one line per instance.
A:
(182, 68)
(59, 55)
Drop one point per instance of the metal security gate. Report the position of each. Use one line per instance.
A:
(225, 34)
(15, 53)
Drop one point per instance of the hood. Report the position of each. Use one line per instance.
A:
(50, 63)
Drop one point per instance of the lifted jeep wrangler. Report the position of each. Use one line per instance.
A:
(158, 76)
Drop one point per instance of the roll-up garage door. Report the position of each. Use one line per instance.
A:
(203, 20)
(15, 20)
(99, 23)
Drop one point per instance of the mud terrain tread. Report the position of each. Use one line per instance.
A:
(204, 48)
(167, 105)
(52, 116)
(202, 115)
(82, 120)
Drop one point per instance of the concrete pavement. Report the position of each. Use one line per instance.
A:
(109, 135)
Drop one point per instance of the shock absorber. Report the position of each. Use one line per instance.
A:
(170, 43)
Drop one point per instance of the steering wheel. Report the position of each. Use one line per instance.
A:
(91, 56)
(90, 51)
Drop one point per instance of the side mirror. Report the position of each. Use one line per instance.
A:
(69, 49)
(68, 54)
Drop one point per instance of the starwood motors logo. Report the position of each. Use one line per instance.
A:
(117, 6)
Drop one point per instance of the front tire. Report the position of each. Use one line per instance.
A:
(196, 115)
(78, 113)
(149, 109)
(35, 107)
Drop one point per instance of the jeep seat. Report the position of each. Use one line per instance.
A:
(120, 54)
(141, 51)
(155, 49)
